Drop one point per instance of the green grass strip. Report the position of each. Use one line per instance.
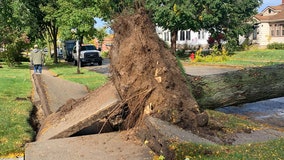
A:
(15, 108)
(88, 78)
(256, 151)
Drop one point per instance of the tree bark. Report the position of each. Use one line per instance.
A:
(238, 87)
(174, 35)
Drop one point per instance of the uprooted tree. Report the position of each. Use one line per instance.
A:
(147, 76)
(238, 87)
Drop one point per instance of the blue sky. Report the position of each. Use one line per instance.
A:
(269, 3)
(99, 23)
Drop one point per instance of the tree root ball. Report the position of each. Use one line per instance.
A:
(147, 76)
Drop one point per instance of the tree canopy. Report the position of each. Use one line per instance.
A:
(36, 18)
(229, 17)
(174, 15)
(15, 30)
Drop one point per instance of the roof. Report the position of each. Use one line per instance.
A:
(279, 16)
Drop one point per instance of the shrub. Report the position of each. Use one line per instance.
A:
(13, 54)
(104, 54)
(181, 53)
(215, 55)
(275, 46)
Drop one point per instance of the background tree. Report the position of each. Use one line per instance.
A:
(14, 30)
(50, 10)
(175, 15)
(53, 16)
(100, 35)
(78, 15)
(44, 25)
(228, 17)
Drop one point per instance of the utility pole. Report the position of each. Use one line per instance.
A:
(78, 55)
(78, 48)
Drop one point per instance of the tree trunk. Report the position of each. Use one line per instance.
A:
(147, 76)
(174, 40)
(55, 50)
(238, 87)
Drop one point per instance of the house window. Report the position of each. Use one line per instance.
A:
(282, 28)
(201, 34)
(255, 34)
(272, 33)
(272, 30)
(277, 30)
(182, 36)
(166, 36)
(187, 35)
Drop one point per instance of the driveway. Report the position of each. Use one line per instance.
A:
(103, 69)
(201, 70)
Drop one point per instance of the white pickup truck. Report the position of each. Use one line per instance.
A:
(88, 55)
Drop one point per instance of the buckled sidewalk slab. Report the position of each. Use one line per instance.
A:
(95, 106)
(160, 135)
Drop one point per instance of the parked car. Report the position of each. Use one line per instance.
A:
(88, 55)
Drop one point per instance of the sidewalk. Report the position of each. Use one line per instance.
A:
(56, 92)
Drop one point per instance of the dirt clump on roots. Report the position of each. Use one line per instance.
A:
(147, 77)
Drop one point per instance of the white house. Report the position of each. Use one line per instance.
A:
(269, 26)
(186, 38)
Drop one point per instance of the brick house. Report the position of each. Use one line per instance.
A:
(106, 44)
(269, 26)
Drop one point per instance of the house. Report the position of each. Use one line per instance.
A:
(269, 26)
(186, 39)
(106, 44)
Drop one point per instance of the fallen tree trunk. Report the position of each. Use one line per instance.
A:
(238, 87)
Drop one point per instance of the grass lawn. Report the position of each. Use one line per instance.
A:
(88, 78)
(232, 124)
(260, 55)
(15, 109)
(257, 151)
(254, 58)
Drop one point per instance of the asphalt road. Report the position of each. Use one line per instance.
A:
(197, 70)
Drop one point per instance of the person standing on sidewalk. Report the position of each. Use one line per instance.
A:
(37, 59)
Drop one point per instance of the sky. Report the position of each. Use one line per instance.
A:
(269, 3)
(100, 24)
